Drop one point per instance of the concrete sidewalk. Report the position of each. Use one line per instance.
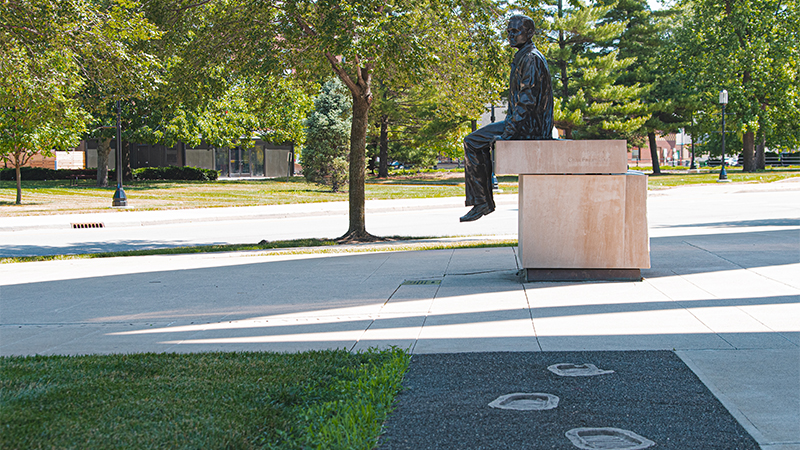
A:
(723, 293)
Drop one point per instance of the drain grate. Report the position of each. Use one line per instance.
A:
(577, 370)
(420, 282)
(88, 225)
(607, 439)
(525, 402)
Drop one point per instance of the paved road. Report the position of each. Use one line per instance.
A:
(131, 230)
(723, 293)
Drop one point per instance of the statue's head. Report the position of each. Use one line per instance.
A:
(520, 30)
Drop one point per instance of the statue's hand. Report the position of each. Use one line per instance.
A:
(495, 138)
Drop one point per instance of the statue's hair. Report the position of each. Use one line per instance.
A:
(527, 22)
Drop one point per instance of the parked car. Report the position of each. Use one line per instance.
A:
(397, 165)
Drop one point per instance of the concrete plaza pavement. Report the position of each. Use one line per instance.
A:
(723, 293)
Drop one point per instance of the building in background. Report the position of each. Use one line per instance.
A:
(263, 160)
(674, 149)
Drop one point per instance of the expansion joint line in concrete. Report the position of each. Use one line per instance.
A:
(689, 310)
(478, 272)
(388, 255)
(737, 265)
(712, 295)
(372, 322)
(527, 300)
(435, 294)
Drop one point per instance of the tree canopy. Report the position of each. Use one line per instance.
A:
(751, 48)
(399, 41)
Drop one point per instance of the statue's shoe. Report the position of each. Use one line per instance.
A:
(477, 212)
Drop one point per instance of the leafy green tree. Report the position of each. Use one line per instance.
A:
(37, 110)
(328, 137)
(429, 117)
(397, 40)
(751, 49)
(201, 99)
(101, 39)
(119, 65)
(647, 39)
(418, 124)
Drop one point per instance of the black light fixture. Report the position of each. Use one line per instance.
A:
(723, 100)
(120, 199)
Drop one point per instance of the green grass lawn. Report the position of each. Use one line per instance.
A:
(60, 197)
(321, 399)
(735, 175)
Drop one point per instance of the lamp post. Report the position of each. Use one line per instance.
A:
(693, 166)
(120, 199)
(723, 100)
(495, 184)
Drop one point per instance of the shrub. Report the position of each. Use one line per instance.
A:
(328, 137)
(145, 173)
(175, 173)
(41, 173)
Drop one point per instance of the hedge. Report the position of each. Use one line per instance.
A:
(175, 173)
(41, 173)
(145, 173)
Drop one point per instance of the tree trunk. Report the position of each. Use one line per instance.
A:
(383, 165)
(19, 181)
(127, 172)
(761, 157)
(358, 146)
(651, 136)
(761, 138)
(748, 152)
(103, 149)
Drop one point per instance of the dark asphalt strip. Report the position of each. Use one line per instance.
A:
(652, 393)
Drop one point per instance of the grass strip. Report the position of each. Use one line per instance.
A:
(736, 176)
(319, 399)
(290, 247)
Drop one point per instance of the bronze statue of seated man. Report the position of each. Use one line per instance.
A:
(530, 117)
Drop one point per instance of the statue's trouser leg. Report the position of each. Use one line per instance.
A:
(478, 164)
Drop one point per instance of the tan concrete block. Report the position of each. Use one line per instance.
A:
(572, 221)
(637, 238)
(561, 157)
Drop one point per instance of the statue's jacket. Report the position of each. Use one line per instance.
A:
(530, 97)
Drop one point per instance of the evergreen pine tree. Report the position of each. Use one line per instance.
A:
(588, 102)
(325, 155)
(647, 38)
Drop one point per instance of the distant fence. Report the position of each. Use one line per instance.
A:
(770, 159)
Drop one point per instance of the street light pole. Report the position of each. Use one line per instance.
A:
(120, 199)
(495, 184)
(693, 165)
(723, 100)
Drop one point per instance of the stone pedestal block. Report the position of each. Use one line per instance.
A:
(582, 215)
